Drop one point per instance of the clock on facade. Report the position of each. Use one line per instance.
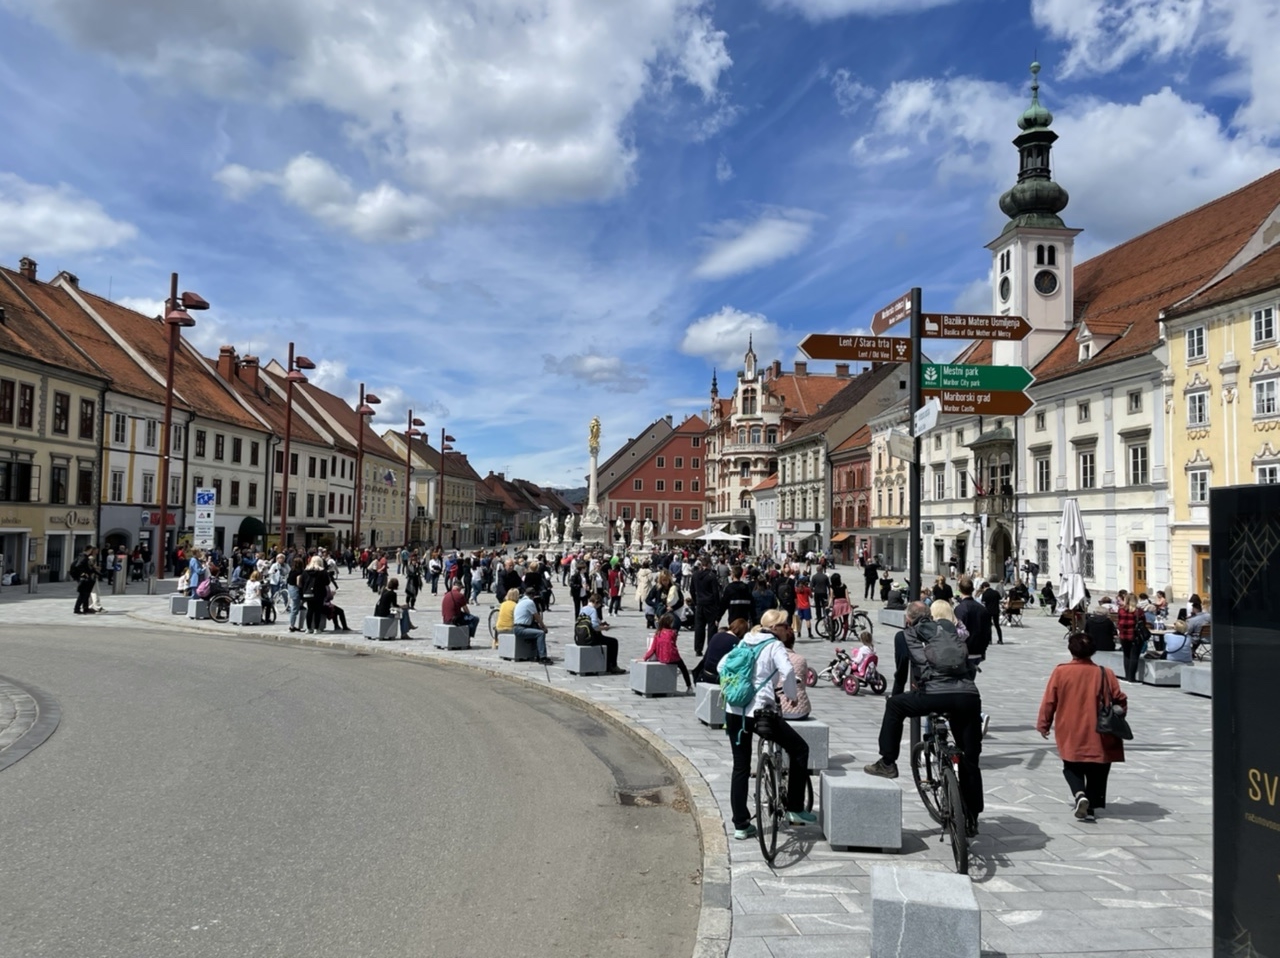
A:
(1004, 290)
(1046, 282)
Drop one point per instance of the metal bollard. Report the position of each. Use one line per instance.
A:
(118, 583)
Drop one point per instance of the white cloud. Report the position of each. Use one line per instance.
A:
(831, 9)
(52, 220)
(1104, 35)
(595, 370)
(1103, 159)
(142, 304)
(721, 337)
(850, 92)
(724, 170)
(455, 104)
(738, 247)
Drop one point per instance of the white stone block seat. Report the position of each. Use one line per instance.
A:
(916, 912)
(585, 659)
(708, 706)
(198, 609)
(860, 810)
(515, 649)
(451, 636)
(246, 614)
(380, 627)
(818, 735)
(1162, 672)
(1198, 679)
(653, 678)
(178, 604)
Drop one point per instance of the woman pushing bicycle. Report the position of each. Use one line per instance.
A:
(762, 653)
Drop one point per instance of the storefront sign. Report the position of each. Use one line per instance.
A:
(9, 521)
(786, 526)
(71, 520)
(206, 502)
(153, 519)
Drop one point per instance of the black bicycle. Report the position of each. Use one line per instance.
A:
(833, 628)
(935, 766)
(771, 785)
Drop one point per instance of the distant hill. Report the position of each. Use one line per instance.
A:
(575, 497)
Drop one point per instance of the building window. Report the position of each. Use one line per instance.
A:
(201, 438)
(679, 487)
(695, 463)
(696, 486)
(1195, 344)
(1138, 465)
(26, 405)
(217, 492)
(175, 490)
(237, 448)
(324, 468)
(962, 483)
(1082, 411)
(662, 462)
(677, 514)
(197, 482)
(1042, 556)
(116, 490)
(61, 414)
(744, 469)
(756, 434)
(1269, 475)
(648, 512)
(175, 443)
(58, 477)
(1135, 401)
(695, 513)
(331, 501)
(1044, 475)
(1088, 470)
(311, 504)
(771, 435)
(660, 485)
(937, 441)
(84, 486)
(1198, 409)
(697, 441)
(1088, 559)
(275, 503)
(235, 492)
(742, 435)
(748, 402)
(6, 401)
(1086, 351)
(1039, 422)
(1264, 398)
(311, 467)
(679, 462)
(119, 429)
(87, 408)
(279, 461)
(1264, 325)
(902, 508)
(253, 453)
(253, 494)
(1199, 483)
(293, 504)
(219, 446)
(939, 485)
(293, 463)
(637, 485)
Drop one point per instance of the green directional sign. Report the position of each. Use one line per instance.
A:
(969, 376)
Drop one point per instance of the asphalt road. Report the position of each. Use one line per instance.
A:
(206, 796)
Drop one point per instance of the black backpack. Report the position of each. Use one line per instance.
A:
(948, 654)
(582, 630)
(786, 593)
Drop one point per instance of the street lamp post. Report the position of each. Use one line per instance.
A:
(292, 375)
(175, 317)
(363, 411)
(409, 433)
(445, 439)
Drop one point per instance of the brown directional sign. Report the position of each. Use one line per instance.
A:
(981, 402)
(972, 326)
(892, 314)
(859, 349)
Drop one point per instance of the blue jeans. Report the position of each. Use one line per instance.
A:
(297, 611)
(470, 621)
(475, 589)
(537, 635)
(435, 581)
(405, 624)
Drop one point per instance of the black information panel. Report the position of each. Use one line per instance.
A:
(1244, 533)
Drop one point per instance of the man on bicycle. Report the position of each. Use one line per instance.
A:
(950, 691)
(772, 668)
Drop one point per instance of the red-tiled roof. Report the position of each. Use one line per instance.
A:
(805, 395)
(34, 332)
(336, 409)
(1258, 275)
(853, 392)
(859, 440)
(769, 483)
(271, 407)
(694, 425)
(1122, 291)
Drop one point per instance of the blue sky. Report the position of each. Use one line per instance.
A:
(515, 215)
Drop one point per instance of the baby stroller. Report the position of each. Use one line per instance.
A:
(869, 679)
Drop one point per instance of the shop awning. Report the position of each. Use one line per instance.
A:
(320, 529)
(839, 537)
(251, 527)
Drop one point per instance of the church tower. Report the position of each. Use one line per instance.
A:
(1034, 256)
(749, 360)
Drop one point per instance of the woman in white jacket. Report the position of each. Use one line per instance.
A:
(773, 667)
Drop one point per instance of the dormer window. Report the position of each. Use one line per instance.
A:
(1086, 351)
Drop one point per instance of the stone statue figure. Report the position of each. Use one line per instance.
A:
(544, 530)
(593, 434)
(620, 529)
(648, 531)
(568, 529)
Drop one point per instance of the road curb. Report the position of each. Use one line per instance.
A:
(44, 714)
(715, 919)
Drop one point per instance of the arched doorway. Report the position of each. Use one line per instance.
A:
(999, 549)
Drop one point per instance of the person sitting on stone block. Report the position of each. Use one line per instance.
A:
(388, 607)
(507, 614)
(528, 624)
(454, 611)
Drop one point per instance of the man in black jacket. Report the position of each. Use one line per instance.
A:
(737, 597)
(706, 604)
(990, 599)
(975, 618)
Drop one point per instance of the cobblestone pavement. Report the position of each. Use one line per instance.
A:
(1137, 883)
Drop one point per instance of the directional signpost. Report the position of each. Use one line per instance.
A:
(966, 403)
(970, 376)
(858, 349)
(206, 509)
(892, 314)
(970, 326)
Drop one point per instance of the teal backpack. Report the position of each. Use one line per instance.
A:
(737, 674)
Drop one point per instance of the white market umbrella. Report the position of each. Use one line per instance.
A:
(1071, 550)
(719, 535)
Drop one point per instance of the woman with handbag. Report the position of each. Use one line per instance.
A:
(1128, 632)
(1085, 706)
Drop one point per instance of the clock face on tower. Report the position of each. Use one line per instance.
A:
(1004, 289)
(1046, 282)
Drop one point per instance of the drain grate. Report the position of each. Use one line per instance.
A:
(648, 797)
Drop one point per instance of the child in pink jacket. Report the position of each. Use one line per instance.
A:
(662, 647)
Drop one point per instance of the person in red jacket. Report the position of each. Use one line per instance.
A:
(453, 609)
(1070, 708)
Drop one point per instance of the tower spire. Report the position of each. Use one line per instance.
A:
(1035, 200)
(715, 388)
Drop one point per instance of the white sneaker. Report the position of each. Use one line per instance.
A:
(1082, 808)
(986, 722)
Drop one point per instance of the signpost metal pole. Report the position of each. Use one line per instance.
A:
(915, 401)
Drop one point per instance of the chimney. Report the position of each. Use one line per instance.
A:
(27, 267)
(842, 370)
(669, 419)
(802, 369)
(776, 368)
(72, 278)
(227, 362)
(247, 370)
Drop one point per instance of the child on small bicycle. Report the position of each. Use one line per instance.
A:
(865, 655)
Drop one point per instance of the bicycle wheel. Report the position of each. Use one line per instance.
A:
(493, 623)
(823, 627)
(953, 812)
(281, 601)
(767, 806)
(811, 678)
(861, 622)
(851, 685)
(220, 608)
(926, 779)
(877, 683)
